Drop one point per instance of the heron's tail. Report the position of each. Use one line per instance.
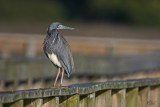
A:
(68, 75)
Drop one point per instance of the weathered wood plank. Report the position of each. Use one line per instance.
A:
(82, 89)
(158, 96)
(14, 104)
(30, 82)
(33, 103)
(69, 101)
(51, 102)
(103, 98)
(87, 100)
(143, 97)
(2, 85)
(132, 97)
(119, 98)
(154, 96)
(1, 105)
(15, 84)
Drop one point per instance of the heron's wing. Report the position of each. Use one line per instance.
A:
(49, 42)
(63, 52)
(46, 45)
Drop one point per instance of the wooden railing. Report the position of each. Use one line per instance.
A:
(30, 45)
(131, 93)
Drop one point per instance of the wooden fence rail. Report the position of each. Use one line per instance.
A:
(30, 45)
(131, 93)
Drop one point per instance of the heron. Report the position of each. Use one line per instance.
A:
(58, 51)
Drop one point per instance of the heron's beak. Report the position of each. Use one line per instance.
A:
(65, 27)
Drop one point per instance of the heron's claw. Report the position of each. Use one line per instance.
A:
(62, 86)
(53, 86)
(59, 86)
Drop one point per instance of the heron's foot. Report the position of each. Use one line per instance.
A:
(58, 86)
(54, 86)
(62, 86)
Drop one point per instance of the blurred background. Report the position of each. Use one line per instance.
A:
(116, 40)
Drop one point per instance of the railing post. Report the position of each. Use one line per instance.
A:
(2, 85)
(30, 48)
(143, 97)
(154, 96)
(15, 104)
(33, 103)
(69, 101)
(51, 102)
(103, 98)
(87, 100)
(119, 98)
(132, 97)
(1, 105)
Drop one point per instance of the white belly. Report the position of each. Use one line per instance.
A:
(54, 59)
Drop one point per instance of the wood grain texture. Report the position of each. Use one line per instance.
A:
(143, 92)
(119, 98)
(143, 97)
(132, 97)
(103, 98)
(87, 100)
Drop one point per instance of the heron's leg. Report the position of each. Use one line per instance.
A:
(62, 77)
(57, 77)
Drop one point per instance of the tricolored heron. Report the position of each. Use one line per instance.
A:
(58, 50)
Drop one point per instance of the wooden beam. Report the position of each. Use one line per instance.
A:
(143, 97)
(103, 98)
(119, 98)
(19, 103)
(51, 102)
(33, 103)
(69, 101)
(89, 94)
(132, 97)
(87, 100)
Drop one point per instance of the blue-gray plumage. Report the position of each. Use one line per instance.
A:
(57, 50)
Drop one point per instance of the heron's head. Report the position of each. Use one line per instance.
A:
(57, 25)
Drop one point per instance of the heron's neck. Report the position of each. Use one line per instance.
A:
(52, 32)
